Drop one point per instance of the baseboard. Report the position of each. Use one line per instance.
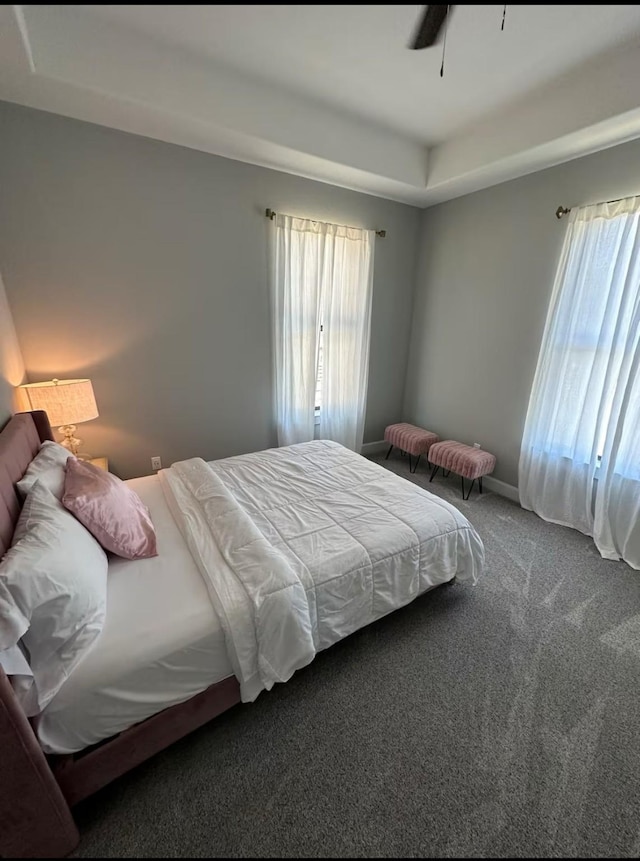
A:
(501, 487)
(373, 447)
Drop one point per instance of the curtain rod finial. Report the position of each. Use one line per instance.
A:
(562, 210)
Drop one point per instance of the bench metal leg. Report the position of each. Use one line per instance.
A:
(480, 483)
(433, 473)
(389, 452)
(446, 474)
(416, 464)
(470, 487)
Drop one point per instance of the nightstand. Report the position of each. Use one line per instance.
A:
(101, 462)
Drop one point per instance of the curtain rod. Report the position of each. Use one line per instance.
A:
(564, 210)
(271, 214)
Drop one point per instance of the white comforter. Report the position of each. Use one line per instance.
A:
(301, 546)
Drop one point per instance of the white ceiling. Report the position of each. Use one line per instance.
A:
(332, 92)
(355, 57)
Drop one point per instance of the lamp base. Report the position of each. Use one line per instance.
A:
(72, 442)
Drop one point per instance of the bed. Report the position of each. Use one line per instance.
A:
(263, 560)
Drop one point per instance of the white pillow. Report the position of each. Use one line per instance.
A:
(53, 593)
(49, 467)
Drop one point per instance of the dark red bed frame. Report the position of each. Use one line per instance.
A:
(37, 791)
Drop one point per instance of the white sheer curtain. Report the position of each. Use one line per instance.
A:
(321, 274)
(579, 463)
(298, 261)
(346, 319)
(617, 502)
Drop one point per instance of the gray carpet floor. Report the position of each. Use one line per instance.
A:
(494, 721)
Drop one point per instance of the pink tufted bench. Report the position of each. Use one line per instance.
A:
(467, 461)
(410, 438)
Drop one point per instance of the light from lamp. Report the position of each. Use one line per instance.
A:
(66, 402)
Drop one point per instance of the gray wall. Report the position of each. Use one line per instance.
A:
(485, 273)
(11, 364)
(143, 266)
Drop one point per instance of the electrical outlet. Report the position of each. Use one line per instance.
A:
(156, 463)
(475, 445)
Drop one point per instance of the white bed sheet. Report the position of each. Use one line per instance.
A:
(354, 540)
(301, 546)
(162, 643)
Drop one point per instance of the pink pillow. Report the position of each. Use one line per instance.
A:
(112, 512)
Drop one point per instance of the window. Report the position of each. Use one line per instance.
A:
(589, 350)
(584, 410)
(322, 280)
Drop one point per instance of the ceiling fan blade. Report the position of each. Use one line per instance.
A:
(429, 28)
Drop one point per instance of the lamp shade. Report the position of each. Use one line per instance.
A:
(66, 402)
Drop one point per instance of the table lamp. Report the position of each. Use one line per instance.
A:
(67, 403)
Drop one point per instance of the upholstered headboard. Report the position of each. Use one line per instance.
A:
(19, 443)
(35, 820)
